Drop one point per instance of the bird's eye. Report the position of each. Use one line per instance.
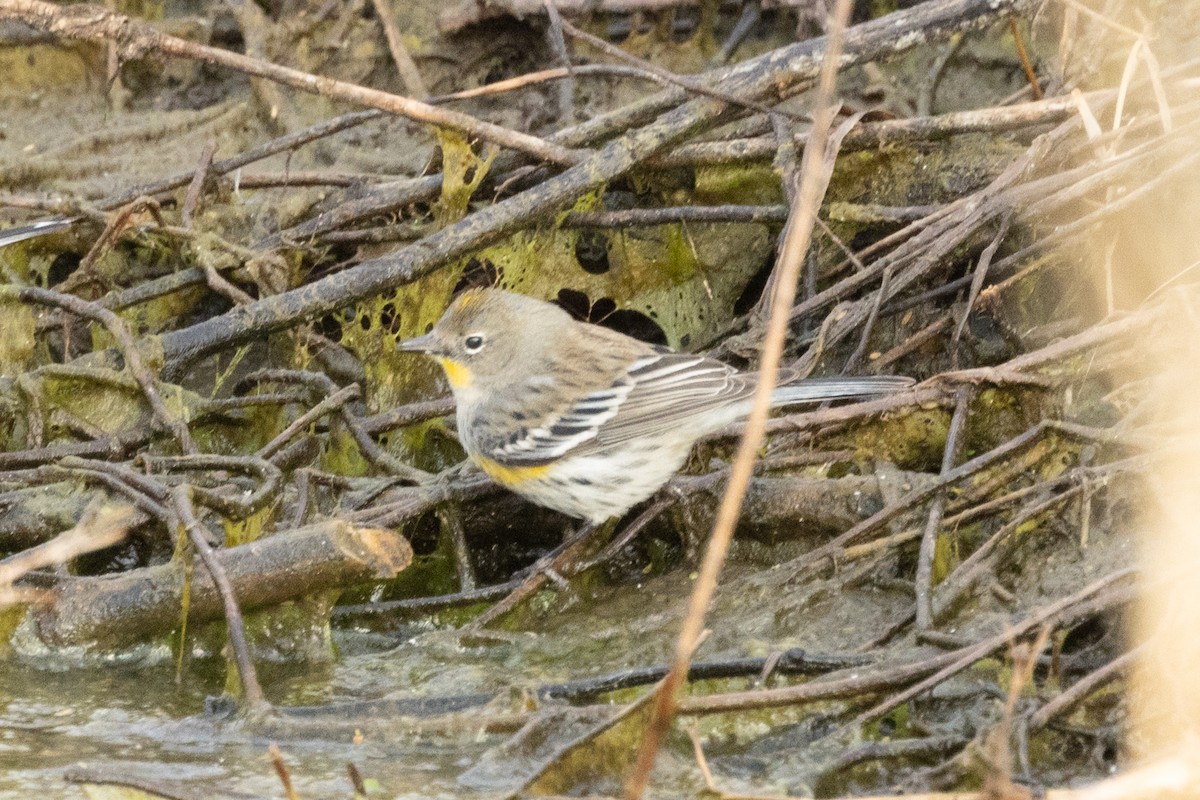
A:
(474, 343)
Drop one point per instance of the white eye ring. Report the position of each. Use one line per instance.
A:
(473, 343)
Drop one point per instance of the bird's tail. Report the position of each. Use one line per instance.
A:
(40, 228)
(814, 390)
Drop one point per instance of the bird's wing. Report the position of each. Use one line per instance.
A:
(673, 390)
(660, 391)
(549, 436)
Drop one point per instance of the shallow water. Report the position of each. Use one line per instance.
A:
(138, 720)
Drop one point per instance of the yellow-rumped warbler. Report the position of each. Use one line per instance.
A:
(583, 419)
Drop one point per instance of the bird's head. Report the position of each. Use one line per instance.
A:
(487, 336)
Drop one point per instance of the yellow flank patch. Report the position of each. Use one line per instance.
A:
(456, 372)
(511, 476)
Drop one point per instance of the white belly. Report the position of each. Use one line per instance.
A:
(597, 486)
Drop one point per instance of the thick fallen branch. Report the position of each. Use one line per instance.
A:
(118, 610)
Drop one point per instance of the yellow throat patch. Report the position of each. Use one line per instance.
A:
(456, 372)
(510, 476)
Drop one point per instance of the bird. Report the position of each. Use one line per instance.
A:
(583, 419)
(39, 228)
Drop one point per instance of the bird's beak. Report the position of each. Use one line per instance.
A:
(420, 344)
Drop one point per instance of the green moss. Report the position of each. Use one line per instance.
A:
(109, 406)
(296, 631)
(17, 340)
(943, 557)
(249, 529)
(751, 184)
(39, 68)
(913, 438)
(341, 455)
(893, 725)
(430, 575)
(685, 278)
(462, 173)
(10, 618)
